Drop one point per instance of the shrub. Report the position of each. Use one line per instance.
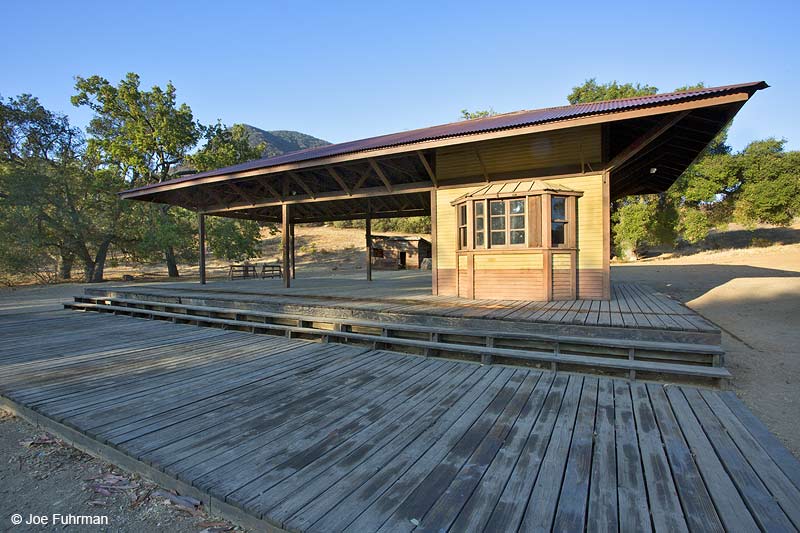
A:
(694, 225)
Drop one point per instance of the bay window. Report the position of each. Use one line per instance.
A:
(485, 222)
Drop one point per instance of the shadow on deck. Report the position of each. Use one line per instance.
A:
(282, 433)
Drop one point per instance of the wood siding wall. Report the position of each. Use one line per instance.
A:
(521, 274)
(564, 151)
(528, 274)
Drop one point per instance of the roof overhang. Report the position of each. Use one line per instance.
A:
(666, 132)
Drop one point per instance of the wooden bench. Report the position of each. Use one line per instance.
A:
(242, 271)
(271, 270)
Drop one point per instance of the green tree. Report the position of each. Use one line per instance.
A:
(770, 184)
(225, 147)
(143, 135)
(591, 91)
(688, 209)
(228, 238)
(55, 202)
(469, 115)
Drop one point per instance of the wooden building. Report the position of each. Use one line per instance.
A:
(399, 253)
(520, 202)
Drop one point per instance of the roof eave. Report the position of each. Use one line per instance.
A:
(610, 116)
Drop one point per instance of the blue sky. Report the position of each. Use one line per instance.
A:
(347, 70)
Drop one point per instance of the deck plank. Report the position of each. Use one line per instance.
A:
(757, 497)
(332, 437)
(603, 503)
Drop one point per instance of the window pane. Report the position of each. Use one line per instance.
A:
(462, 237)
(462, 214)
(478, 209)
(518, 222)
(559, 208)
(498, 237)
(498, 222)
(479, 223)
(479, 239)
(557, 233)
(517, 207)
(497, 207)
(518, 237)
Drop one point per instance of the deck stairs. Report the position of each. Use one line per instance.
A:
(632, 358)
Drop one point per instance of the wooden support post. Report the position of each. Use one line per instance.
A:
(368, 231)
(487, 358)
(434, 272)
(285, 242)
(294, 256)
(631, 357)
(201, 225)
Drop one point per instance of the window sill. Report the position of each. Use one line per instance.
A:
(515, 249)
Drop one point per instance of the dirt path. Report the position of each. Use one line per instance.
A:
(41, 476)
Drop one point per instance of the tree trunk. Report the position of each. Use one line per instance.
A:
(88, 270)
(172, 265)
(100, 262)
(65, 267)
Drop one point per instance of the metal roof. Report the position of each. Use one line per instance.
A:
(499, 190)
(468, 127)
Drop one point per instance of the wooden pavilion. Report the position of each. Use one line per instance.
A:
(520, 202)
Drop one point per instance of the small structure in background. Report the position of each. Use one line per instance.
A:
(399, 253)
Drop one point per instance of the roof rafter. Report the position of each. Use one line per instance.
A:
(381, 175)
(297, 179)
(427, 166)
(338, 178)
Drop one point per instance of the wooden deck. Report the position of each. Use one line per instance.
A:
(633, 307)
(284, 433)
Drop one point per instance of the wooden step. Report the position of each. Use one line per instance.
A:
(674, 347)
(487, 353)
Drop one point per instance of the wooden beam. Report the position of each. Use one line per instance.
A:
(368, 232)
(452, 141)
(241, 192)
(301, 183)
(405, 188)
(428, 169)
(270, 189)
(201, 226)
(294, 257)
(285, 214)
(434, 262)
(335, 175)
(379, 171)
(649, 136)
(483, 166)
(363, 178)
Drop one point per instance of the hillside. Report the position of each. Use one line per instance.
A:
(282, 141)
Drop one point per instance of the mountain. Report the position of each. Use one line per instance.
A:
(282, 141)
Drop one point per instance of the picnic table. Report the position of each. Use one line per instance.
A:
(271, 270)
(247, 270)
(242, 271)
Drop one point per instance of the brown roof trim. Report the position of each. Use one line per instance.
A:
(515, 123)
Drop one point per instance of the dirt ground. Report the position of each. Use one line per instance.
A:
(42, 476)
(753, 295)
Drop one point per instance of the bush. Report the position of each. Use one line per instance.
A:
(694, 225)
(233, 240)
(638, 221)
(396, 225)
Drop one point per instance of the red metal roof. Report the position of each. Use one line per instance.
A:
(504, 121)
